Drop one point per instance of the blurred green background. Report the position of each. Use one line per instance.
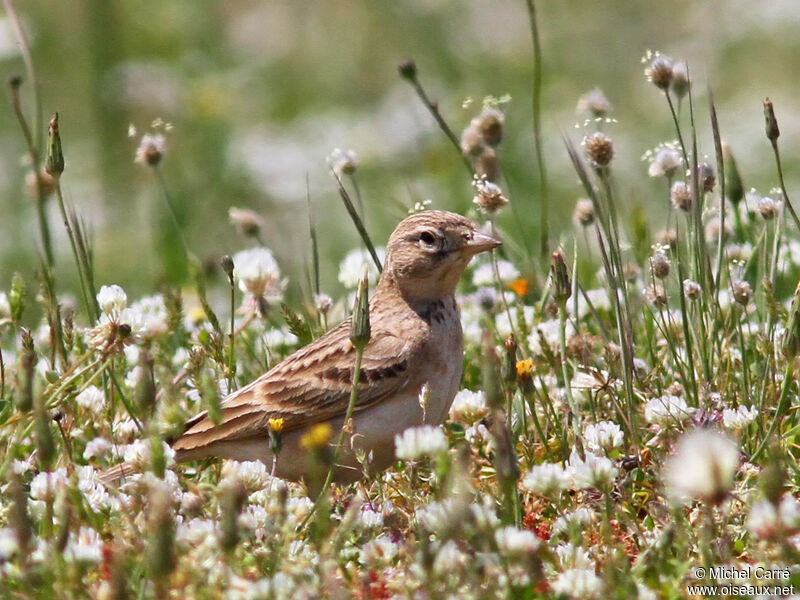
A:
(259, 93)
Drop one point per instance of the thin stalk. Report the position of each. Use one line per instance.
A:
(783, 185)
(562, 340)
(85, 292)
(783, 405)
(536, 109)
(162, 183)
(362, 231)
(677, 127)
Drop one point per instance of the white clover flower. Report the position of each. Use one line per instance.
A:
(194, 532)
(258, 274)
(789, 511)
(484, 274)
(9, 544)
(151, 149)
(85, 547)
(547, 331)
(580, 517)
(739, 418)
(139, 454)
(469, 407)
(667, 410)
(479, 435)
(572, 557)
(436, 516)
(92, 398)
(152, 316)
(352, 265)
(96, 448)
(252, 474)
(125, 429)
(47, 482)
(516, 542)
(417, 442)
(449, 558)
(378, 552)
(592, 472)
(368, 518)
(546, 479)
(702, 468)
(112, 300)
(5, 307)
(581, 584)
(763, 520)
(604, 436)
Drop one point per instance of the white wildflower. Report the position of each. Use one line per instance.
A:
(112, 299)
(667, 410)
(516, 542)
(572, 557)
(258, 274)
(546, 479)
(9, 544)
(47, 482)
(578, 583)
(92, 399)
(352, 265)
(152, 316)
(478, 435)
(343, 161)
(252, 474)
(96, 448)
(664, 161)
(378, 552)
(591, 472)
(85, 547)
(448, 559)
(579, 518)
(469, 407)
(702, 468)
(417, 442)
(484, 274)
(604, 436)
(739, 418)
(762, 522)
(151, 149)
(195, 532)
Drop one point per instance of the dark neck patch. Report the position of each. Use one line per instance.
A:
(436, 312)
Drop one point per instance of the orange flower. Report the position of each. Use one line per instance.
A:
(520, 287)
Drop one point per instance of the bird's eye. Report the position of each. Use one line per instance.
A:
(427, 238)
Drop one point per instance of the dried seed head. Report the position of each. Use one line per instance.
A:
(660, 264)
(659, 72)
(667, 237)
(490, 124)
(151, 150)
(248, 222)
(599, 149)
(656, 295)
(489, 198)
(712, 230)
(768, 208)
(706, 176)
(343, 162)
(471, 140)
(584, 212)
(323, 303)
(594, 103)
(680, 194)
(226, 262)
(680, 79)
(486, 165)
(665, 162)
(741, 291)
(770, 122)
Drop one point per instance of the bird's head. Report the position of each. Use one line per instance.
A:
(428, 251)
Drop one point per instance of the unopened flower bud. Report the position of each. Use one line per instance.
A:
(659, 72)
(510, 367)
(408, 69)
(27, 361)
(360, 327)
(151, 150)
(16, 297)
(767, 208)
(226, 262)
(599, 149)
(323, 303)
(248, 222)
(559, 277)
(680, 194)
(770, 122)
(594, 103)
(734, 189)
(584, 212)
(471, 142)
(791, 343)
(54, 160)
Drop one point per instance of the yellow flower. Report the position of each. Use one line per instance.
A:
(276, 425)
(524, 368)
(316, 437)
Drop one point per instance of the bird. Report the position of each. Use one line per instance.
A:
(416, 340)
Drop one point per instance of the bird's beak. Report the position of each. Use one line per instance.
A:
(481, 242)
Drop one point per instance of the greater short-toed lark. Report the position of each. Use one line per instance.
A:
(416, 340)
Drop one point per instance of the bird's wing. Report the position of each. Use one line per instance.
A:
(310, 386)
